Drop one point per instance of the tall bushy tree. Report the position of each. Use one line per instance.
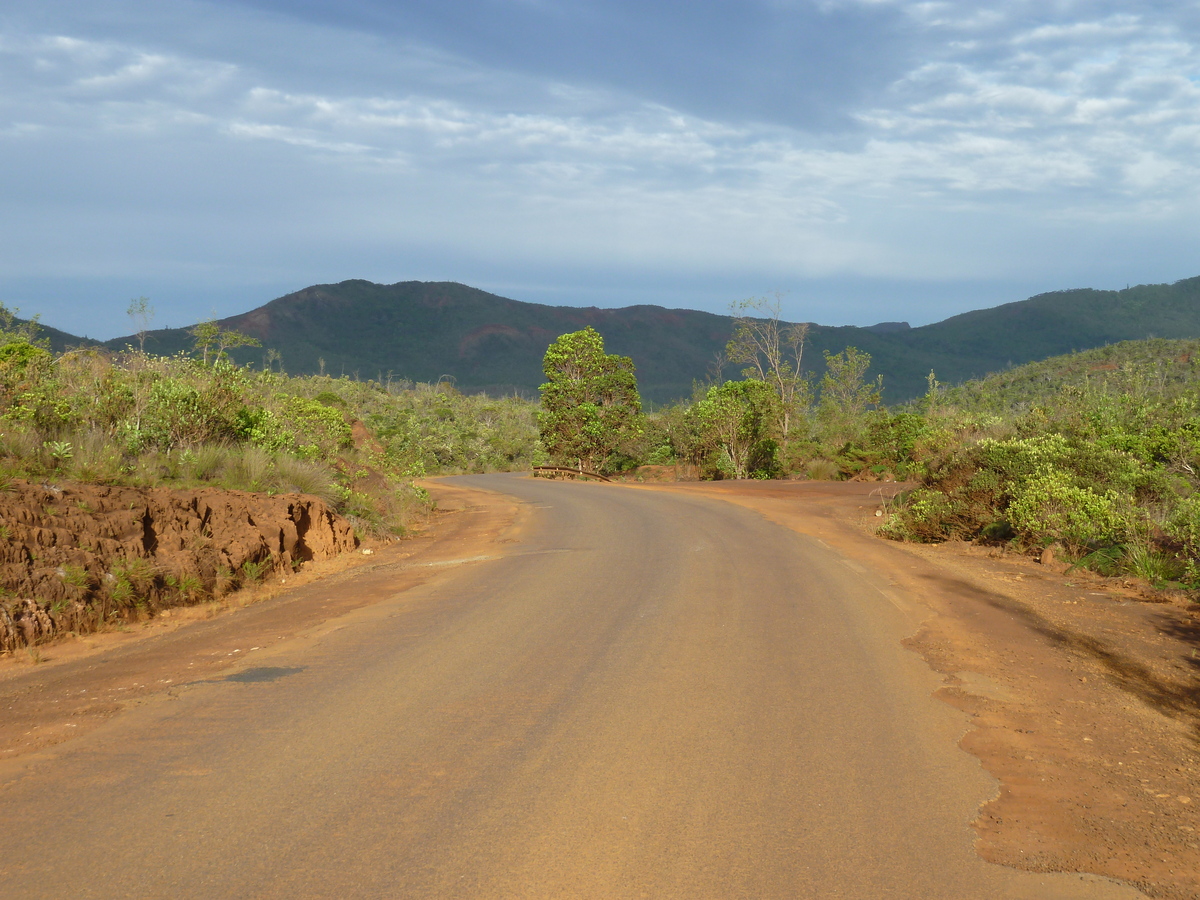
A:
(590, 402)
(845, 391)
(735, 425)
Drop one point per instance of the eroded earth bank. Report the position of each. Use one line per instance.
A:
(76, 558)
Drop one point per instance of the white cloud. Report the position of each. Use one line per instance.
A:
(1008, 118)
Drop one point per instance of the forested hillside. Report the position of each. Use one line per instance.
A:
(430, 331)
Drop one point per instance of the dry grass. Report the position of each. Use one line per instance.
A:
(822, 470)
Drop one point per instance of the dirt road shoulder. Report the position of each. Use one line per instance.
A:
(1084, 703)
(77, 685)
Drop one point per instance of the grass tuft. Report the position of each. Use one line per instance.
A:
(823, 470)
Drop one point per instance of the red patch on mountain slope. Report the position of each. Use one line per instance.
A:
(256, 323)
(473, 338)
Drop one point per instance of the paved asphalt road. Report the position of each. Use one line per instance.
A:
(651, 695)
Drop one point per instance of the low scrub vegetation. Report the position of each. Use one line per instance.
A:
(1096, 453)
(196, 419)
(191, 420)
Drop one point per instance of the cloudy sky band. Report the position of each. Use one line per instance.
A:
(962, 154)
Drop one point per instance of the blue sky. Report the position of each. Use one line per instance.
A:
(868, 159)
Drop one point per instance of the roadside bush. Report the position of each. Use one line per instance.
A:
(1049, 507)
(425, 431)
(1155, 566)
(822, 470)
(890, 442)
(923, 515)
(316, 429)
(177, 414)
(297, 425)
(1184, 527)
(1037, 490)
(733, 430)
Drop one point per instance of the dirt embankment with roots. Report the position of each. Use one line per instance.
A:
(73, 557)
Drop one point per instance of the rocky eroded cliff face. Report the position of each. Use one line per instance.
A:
(73, 556)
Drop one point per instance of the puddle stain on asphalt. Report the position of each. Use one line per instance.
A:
(263, 673)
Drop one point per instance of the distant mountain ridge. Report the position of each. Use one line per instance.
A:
(423, 331)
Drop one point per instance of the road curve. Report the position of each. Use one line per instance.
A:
(650, 695)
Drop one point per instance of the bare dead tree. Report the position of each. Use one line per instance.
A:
(772, 351)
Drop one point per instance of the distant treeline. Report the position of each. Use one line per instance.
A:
(1097, 453)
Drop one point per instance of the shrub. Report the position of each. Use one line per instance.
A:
(822, 470)
(314, 429)
(1184, 524)
(1184, 527)
(186, 585)
(131, 582)
(252, 571)
(1048, 507)
(891, 441)
(180, 413)
(922, 515)
(76, 575)
(329, 398)
(1153, 566)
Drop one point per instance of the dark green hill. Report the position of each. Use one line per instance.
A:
(422, 331)
(59, 341)
(977, 343)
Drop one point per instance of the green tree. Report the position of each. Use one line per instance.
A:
(845, 392)
(736, 425)
(210, 338)
(590, 402)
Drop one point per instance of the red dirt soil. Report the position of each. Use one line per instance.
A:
(1084, 699)
(80, 682)
(61, 544)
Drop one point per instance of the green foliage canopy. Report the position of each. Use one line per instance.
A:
(845, 392)
(736, 426)
(211, 339)
(590, 402)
